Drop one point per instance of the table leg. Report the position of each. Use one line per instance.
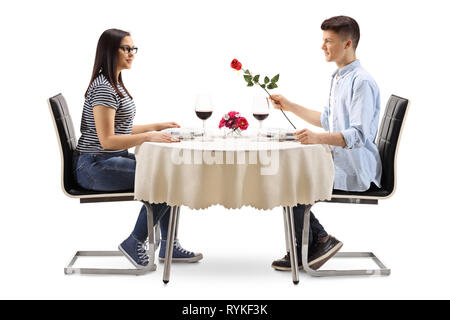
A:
(169, 242)
(289, 214)
(286, 238)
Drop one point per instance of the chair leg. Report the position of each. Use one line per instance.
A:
(151, 234)
(151, 253)
(177, 223)
(71, 270)
(323, 273)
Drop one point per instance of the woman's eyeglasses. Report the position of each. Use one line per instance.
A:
(128, 49)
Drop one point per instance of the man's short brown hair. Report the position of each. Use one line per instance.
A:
(344, 26)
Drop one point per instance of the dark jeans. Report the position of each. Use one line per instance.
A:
(316, 230)
(115, 172)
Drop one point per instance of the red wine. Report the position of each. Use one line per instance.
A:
(203, 114)
(260, 116)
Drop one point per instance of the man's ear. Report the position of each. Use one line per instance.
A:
(348, 44)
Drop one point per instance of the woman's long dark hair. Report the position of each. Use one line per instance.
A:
(106, 58)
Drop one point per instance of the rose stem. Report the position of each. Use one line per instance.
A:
(280, 108)
(271, 98)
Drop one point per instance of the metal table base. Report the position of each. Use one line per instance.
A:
(288, 215)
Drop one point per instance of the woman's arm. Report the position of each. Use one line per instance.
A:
(154, 127)
(104, 124)
(144, 128)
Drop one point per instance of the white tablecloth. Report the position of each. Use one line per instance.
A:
(233, 173)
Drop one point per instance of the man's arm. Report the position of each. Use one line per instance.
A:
(306, 136)
(361, 113)
(309, 115)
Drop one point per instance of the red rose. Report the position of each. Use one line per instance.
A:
(231, 123)
(222, 123)
(242, 123)
(232, 114)
(235, 64)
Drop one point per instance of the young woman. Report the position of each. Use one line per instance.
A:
(102, 161)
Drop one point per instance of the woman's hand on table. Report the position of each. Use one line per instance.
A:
(166, 125)
(160, 137)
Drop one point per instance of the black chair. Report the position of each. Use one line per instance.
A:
(387, 141)
(67, 142)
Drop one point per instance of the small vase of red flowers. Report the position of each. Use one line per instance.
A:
(234, 122)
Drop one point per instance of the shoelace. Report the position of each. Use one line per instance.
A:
(177, 245)
(141, 252)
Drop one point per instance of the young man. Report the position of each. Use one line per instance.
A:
(351, 121)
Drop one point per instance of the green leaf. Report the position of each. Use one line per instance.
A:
(270, 86)
(274, 85)
(250, 84)
(266, 80)
(263, 86)
(248, 78)
(246, 72)
(256, 78)
(275, 79)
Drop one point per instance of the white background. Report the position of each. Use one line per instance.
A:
(185, 47)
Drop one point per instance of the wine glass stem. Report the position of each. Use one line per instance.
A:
(260, 125)
(204, 129)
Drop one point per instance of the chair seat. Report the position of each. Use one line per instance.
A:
(84, 192)
(373, 191)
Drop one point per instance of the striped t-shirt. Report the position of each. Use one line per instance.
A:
(102, 93)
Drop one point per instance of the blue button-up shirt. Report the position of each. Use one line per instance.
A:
(355, 114)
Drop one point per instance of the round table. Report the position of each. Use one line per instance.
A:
(233, 172)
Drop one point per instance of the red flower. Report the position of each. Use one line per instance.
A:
(232, 114)
(242, 123)
(231, 123)
(234, 121)
(235, 64)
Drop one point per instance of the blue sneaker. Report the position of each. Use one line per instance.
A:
(179, 254)
(134, 250)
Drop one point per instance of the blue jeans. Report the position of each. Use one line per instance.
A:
(316, 230)
(115, 172)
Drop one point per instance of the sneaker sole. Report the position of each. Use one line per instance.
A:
(300, 267)
(138, 266)
(196, 258)
(317, 263)
(320, 261)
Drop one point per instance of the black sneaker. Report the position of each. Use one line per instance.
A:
(318, 254)
(322, 252)
(284, 264)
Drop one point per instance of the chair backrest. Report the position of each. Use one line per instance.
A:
(388, 139)
(66, 137)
